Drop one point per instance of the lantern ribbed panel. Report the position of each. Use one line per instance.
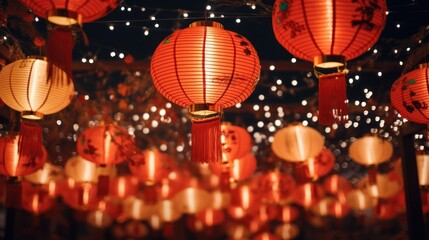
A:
(409, 95)
(89, 10)
(26, 86)
(310, 28)
(14, 164)
(205, 65)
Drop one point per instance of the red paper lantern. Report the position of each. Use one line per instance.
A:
(315, 167)
(329, 33)
(288, 214)
(335, 184)
(211, 217)
(205, 68)
(238, 169)
(307, 194)
(275, 186)
(123, 186)
(409, 95)
(79, 196)
(236, 142)
(35, 199)
(151, 166)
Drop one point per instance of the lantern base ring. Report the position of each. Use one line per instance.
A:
(201, 111)
(64, 17)
(32, 115)
(328, 64)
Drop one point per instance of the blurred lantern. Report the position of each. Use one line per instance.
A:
(337, 209)
(78, 195)
(137, 209)
(297, 143)
(245, 197)
(81, 170)
(288, 214)
(336, 184)
(315, 167)
(274, 186)
(423, 169)
(409, 95)
(321, 208)
(219, 200)
(210, 217)
(265, 212)
(123, 186)
(151, 166)
(167, 211)
(236, 212)
(370, 150)
(265, 236)
(255, 224)
(48, 177)
(237, 230)
(194, 224)
(238, 169)
(236, 142)
(307, 194)
(385, 186)
(111, 206)
(205, 68)
(27, 87)
(191, 200)
(99, 219)
(286, 231)
(136, 230)
(327, 34)
(35, 199)
(66, 14)
(386, 210)
(359, 201)
(105, 145)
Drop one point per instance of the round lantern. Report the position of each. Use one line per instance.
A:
(297, 143)
(288, 214)
(27, 87)
(99, 219)
(13, 164)
(107, 144)
(236, 142)
(409, 95)
(35, 199)
(337, 209)
(265, 236)
(83, 171)
(287, 231)
(359, 201)
(211, 217)
(307, 194)
(70, 12)
(370, 150)
(136, 208)
(123, 186)
(329, 33)
(136, 230)
(151, 166)
(46, 174)
(385, 186)
(236, 230)
(167, 211)
(335, 184)
(79, 196)
(245, 197)
(205, 68)
(386, 210)
(237, 169)
(315, 167)
(191, 200)
(275, 186)
(423, 169)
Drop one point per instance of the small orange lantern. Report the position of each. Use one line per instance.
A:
(80, 196)
(123, 186)
(297, 143)
(137, 209)
(385, 186)
(315, 167)
(167, 211)
(274, 186)
(245, 197)
(307, 194)
(85, 171)
(338, 209)
(288, 214)
(210, 217)
(99, 219)
(265, 236)
(151, 166)
(238, 169)
(287, 231)
(236, 142)
(409, 95)
(359, 201)
(35, 199)
(327, 34)
(370, 150)
(205, 68)
(335, 184)
(191, 200)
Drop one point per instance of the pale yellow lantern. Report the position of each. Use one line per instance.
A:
(219, 200)
(30, 87)
(297, 143)
(167, 211)
(135, 208)
(82, 170)
(45, 175)
(386, 185)
(192, 200)
(359, 201)
(423, 169)
(286, 231)
(370, 150)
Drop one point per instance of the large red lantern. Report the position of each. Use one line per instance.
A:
(205, 68)
(329, 33)
(409, 95)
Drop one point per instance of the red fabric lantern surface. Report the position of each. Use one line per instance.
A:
(338, 209)
(205, 68)
(14, 164)
(409, 95)
(265, 236)
(151, 166)
(35, 199)
(329, 33)
(79, 196)
(123, 186)
(288, 214)
(71, 12)
(105, 144)
(211, 217)
(245, 197)
(238, 169)
(307, 194)
(315, 167)
(335, 184)
(236, 142)
(274, 186)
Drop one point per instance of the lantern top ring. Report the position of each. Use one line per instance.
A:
(64, 17)
(329, 61)
(37, 57)
(206, 23)
(205, 110)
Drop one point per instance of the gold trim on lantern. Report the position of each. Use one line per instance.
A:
(205, 110)
(38, 57)
(328, 64)
(32, 115)
(64, 17)
(206, 23)
(423, 65)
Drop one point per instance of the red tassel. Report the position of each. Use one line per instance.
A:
(206, 144)
(332, 99)
(59, 53)
(13, 193)
(372, 176)
(30, 139)
(103, 186)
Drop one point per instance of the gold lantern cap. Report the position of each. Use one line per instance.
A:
(206, 23)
